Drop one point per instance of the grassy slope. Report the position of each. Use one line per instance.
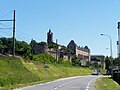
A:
(15, 72)
(56, 71)
(106, 84)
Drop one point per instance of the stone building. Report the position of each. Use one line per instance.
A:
(82, 54)
(61, 51)
(40, 48)
(49, 37)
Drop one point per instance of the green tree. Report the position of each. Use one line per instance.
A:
(42, 43)
(116, 61)
(108, 62)
(32, 43)
(52, 45)
(95, 65)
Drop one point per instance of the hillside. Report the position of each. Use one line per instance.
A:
(15, 72)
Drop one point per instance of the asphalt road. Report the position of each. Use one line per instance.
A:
(72, 83)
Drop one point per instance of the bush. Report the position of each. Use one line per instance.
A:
(44, 58)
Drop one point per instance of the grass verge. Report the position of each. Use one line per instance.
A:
(106, 83)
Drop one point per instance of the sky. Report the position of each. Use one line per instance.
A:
(80, 20)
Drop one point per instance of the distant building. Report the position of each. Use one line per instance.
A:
(61, 51)
(83, 54)
(72, 46)
(100, 59)
(49, 37)
(40, 48)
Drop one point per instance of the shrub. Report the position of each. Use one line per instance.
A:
(44, 58)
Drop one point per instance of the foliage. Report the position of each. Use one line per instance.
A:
(116, 61)
(60, 61)
(32, 43)
(21, 46)
(64, 62)
(52, 45)
(70, 51)
(44, 58)
(75, 61)
(28, 54)
(107, 63)
(6, 46)
(95, 65)
(42, 43)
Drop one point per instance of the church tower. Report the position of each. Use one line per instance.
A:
(49, 37)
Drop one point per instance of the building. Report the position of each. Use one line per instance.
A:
(49, 37)
(82, 54)
(100, 59)
(40, 48)
(72, 46)
(61, 51)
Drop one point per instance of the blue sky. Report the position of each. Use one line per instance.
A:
(80, 20)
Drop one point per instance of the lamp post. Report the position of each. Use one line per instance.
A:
(110, 49)
(110, 43)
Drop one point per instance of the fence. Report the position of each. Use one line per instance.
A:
(116, 76)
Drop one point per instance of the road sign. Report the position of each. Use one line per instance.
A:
(46, 66)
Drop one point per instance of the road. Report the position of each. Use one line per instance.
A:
(72, 83)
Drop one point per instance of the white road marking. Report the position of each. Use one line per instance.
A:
(55, 81)
(55, 88)
(87, 88)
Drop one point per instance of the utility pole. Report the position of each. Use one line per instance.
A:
(13, 32)
(56, 49)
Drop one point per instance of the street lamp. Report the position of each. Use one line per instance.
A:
(110, 49)
(110, 43)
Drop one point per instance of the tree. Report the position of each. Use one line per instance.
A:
(52, 45)
(116, 61)
(95, 65)
(42, 43)
(5, 46)
(32, 43)
(108, 63)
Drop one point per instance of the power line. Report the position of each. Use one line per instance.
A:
(18, 34)
(6, 14)
(6, 33)
(6, 28)
(3, 25)
(22, 39)
(26, 35)
(13, 29)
